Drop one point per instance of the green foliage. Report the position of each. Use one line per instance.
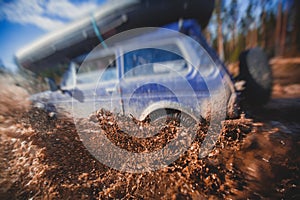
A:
(234, 56)
(252, 23)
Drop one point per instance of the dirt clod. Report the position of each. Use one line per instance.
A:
(44, 158)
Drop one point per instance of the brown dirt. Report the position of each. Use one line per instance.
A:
(44, 158)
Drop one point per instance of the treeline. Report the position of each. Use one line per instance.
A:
(271, 24)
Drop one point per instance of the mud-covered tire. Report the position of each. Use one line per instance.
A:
(255, 70)
(168, 115)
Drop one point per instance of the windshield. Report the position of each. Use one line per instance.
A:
(100, 69)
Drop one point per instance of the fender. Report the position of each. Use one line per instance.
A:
(169, 105)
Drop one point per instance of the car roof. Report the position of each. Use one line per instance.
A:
(148, 36)
(148, 40)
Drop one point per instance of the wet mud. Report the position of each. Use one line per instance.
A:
(255, 157)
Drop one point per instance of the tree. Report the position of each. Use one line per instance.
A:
(284, 28)
(296, 27)
(220, 32)
(273, 25)
(278, 28)
(233, 19)
(263, 25)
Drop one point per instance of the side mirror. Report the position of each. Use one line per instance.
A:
(52, 85)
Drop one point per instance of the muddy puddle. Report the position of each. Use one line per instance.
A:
(255, 157)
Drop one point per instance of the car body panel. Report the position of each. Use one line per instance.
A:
(179, 76)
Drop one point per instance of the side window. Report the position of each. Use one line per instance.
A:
(110, 73)
(154, 61)
(90, 71)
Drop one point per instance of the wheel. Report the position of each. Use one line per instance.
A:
(169, 115)
(255, 70)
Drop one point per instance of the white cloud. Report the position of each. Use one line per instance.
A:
(66, 9)
(47, 15)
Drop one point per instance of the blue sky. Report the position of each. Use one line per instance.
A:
(23, 21)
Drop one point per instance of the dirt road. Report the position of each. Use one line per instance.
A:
(44, 158)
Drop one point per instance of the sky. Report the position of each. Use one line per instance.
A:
(24, 21)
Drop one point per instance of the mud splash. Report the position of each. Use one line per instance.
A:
(44, 158)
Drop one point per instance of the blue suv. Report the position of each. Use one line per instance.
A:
(156, 72)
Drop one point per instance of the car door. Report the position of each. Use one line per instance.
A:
(153, 75)
(97, 78)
